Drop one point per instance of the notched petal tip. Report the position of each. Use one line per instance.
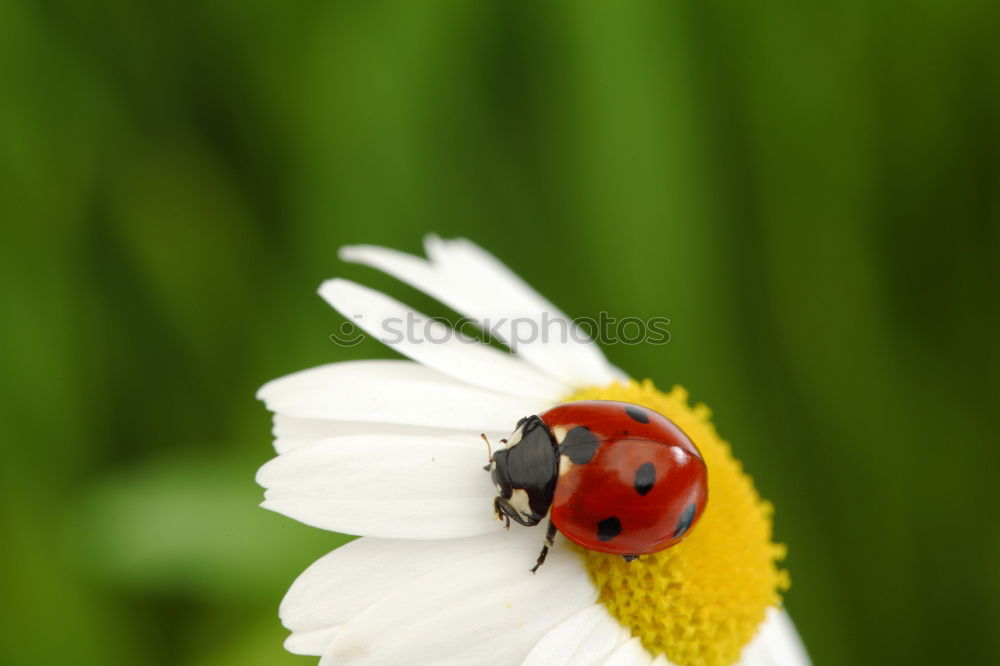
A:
(331, 286)
(349, 253)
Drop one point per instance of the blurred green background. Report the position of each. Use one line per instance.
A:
(808, 190)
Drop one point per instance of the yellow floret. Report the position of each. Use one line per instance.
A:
(701, 601)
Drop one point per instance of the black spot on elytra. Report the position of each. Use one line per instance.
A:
(580, 445)
(609, 528)
(637, 413)
(645, 477)
(684, 522)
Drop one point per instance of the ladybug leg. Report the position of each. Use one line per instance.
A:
(630, 558)
(498, 509)
(550, 538)
(506, 511)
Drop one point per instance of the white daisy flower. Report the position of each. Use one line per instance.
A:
(391, 451)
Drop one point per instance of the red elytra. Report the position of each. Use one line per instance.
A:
(643, 488)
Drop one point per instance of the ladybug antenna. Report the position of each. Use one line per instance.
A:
(489, 449)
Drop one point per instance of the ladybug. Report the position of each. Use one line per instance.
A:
(612, 477)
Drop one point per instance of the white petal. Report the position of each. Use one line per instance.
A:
(568, 354)
(339, 585)
(631, 653)
(291, 432)
(466, 278)
(400, 392)
(484, 609)
(438, 346)
(777, 643)
(384, 485)
(587, 637)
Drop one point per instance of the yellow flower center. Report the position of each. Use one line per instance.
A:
(701, 601)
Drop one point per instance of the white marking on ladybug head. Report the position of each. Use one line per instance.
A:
(515, 438)
(559, 432)
(519, 500)
(565, 464)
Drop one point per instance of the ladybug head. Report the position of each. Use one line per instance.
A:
(525, 472)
